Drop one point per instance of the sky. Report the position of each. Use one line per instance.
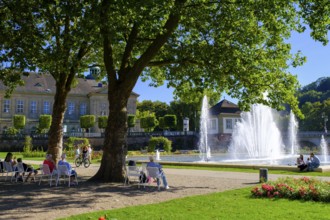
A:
(317, 65)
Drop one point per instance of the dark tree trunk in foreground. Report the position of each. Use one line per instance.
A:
(121, 83)
(115, 147)
(55, 135)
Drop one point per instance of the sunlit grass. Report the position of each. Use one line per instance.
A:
(234, 204)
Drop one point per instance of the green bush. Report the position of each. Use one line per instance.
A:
(72, 141)
(159, 141)
(34, 153)
(11, 131)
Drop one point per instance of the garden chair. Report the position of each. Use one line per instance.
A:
(153, 172)
(131, 173)
(10, 170)
(64, 172)
(45, 172)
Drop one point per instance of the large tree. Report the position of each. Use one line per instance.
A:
(234, 46)
(49, 37)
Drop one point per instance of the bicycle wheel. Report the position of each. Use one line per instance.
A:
(86, 163)
(77, 162)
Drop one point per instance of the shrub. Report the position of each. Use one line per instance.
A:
(159, 141)
(34, 153)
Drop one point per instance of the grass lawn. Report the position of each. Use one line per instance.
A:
(234, 204)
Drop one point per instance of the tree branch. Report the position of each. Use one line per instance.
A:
(169, 27)
(129, 48)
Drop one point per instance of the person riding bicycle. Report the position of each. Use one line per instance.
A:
(85, 152)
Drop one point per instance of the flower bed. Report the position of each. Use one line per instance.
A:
(304, 188)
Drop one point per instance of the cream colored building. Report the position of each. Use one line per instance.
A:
(36, 97)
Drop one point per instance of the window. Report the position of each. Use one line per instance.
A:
(6, 106)
(19, 106)
(70, 108)
(83, 109)
(103, 108)
(33, 107)
(46, 109)
(229, 124)
(213, 124)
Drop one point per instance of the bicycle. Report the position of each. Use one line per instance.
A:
(80, 160)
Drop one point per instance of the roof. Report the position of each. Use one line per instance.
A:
(226, 107)
(45, 83)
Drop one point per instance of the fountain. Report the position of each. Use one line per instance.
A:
(204, 149)
(292, 132)
(157, 155)
(256, 135)
(324, 148)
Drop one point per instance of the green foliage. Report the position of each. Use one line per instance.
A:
(11, 131)
(72, 141)
(131, 120)
(161, 124)
(170, 121)
(148, 123)
(87, 121)
(157, 107)
(34, 153)
(27, 144)
(102, 122)
(19, 121)
(159, 142)
(182, 110)
(313, 112)
(44, 123)
(317, 91)
(304, 188)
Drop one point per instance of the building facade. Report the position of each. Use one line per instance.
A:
(223, 117)
(36, 97)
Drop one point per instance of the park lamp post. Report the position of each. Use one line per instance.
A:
(186, 124)
(325, 117)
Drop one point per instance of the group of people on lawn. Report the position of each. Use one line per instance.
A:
(312, 162)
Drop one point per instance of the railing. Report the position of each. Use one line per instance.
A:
(99, 134)
(302, 134)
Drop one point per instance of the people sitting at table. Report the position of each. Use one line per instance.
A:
(313, 162)
(50, 162)
(72, 172)
(162, 174)
(301, 163)
(29, 169)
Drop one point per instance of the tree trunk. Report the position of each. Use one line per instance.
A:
(112, 167)
(55, 141)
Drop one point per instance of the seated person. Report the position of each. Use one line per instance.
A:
(67, 164)
(28, 168)
(301, 163)
(50, 162)
(153, 164)
(313, 162)
(9, 158)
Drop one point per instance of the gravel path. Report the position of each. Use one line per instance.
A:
(31, 201)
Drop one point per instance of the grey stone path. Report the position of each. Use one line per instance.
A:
(31, 201)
